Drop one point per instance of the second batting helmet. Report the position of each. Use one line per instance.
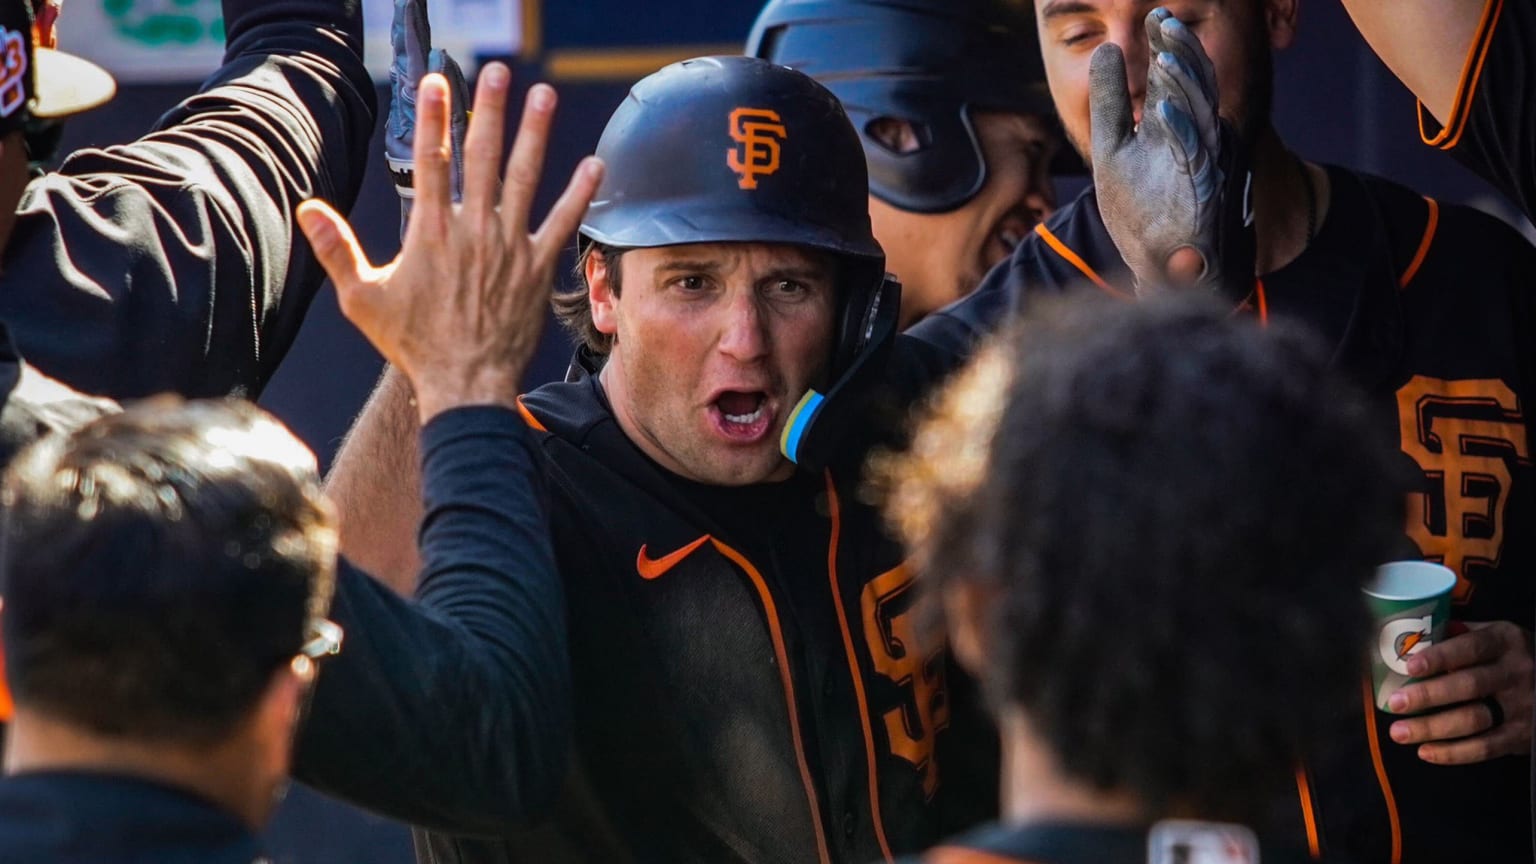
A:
(736, 149)
(931, 63)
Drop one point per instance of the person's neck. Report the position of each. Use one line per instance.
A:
(222, 773)
(1035, 789)
(1283, 208)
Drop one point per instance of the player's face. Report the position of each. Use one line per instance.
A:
(941, 257)
(714, 344)
(1238, 36)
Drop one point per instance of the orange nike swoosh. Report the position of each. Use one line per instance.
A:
(653, 568)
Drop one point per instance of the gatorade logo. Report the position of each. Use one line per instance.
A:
(13, 72)
(758, 133)
(1401, 639)
(1467, 436)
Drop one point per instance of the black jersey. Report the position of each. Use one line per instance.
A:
(1429, 308)
(750, 680)
(174, 262)
(1492, 125)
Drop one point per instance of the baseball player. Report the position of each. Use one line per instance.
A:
(958, 130)
(1049, 500)
(1468, 62)
(750, 680)
(1381, 274)
(168, 263)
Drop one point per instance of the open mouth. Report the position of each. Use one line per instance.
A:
(743, 416)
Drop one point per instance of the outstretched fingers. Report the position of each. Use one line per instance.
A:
(432, 150)
(565, 216)
(339, 253)
(1111, 116)
(526, 164)
(482, 143)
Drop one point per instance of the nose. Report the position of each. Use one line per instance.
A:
(745, 334)
(1133, 44)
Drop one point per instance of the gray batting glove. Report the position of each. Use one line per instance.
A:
(1162, 185)
(410, 35)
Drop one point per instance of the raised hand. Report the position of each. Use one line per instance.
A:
(1162, 186)
(460, 309)
(410, 35)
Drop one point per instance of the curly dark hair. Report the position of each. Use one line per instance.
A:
(1168, 513)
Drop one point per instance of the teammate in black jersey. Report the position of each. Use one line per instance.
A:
(1427, 307)
(1062, 499)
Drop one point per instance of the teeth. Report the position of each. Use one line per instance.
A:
(744, 419)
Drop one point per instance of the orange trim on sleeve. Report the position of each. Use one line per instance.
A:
(1471, 71)
(1074, 259)
(1308, 813)
(532, 421)
(1430, 224)
(771, 611)
(1381, 772)
(853, 669)
(1263, 300)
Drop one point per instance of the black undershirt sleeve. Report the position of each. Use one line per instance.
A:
(453, 711)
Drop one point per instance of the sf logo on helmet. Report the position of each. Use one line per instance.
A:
(13, 72)
(1402, 638)
(758, 131)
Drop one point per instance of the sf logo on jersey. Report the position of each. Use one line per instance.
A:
(1401, 639)
(891, 633)
(758, 132)
(1465, 435)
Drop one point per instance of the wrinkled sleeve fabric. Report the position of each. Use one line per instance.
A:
(452, 711)
(173, 262)
(1492, 125)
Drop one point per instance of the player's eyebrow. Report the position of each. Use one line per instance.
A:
(694, 265)
(1063, 8)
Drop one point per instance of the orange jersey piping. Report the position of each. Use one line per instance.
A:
(1466, 90)
(1074, 259)
(1432, 223)
(1308, 813)
(1381, 773)
(853, 670)
(532, 421)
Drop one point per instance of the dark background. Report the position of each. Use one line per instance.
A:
(1334, 102)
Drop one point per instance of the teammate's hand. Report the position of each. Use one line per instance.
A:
(410, 36)
(460, 309)
(1162, 185)
(1490, 659)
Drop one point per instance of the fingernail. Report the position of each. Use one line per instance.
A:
(592, 167)
(1397, 702)
(496, 76)
(540, 98)
(1416, 667)
(1399, 732)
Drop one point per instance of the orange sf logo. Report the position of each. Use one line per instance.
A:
(758, 131)
(13, 70)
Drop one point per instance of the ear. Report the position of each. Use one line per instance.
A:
(1280, 18)
(600, 295)
(963, 606)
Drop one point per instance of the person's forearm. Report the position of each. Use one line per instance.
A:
(375, 483)
(1424, 42)
(453, 712)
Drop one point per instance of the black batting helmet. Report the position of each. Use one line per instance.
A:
(931, 63)
(737, 149)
